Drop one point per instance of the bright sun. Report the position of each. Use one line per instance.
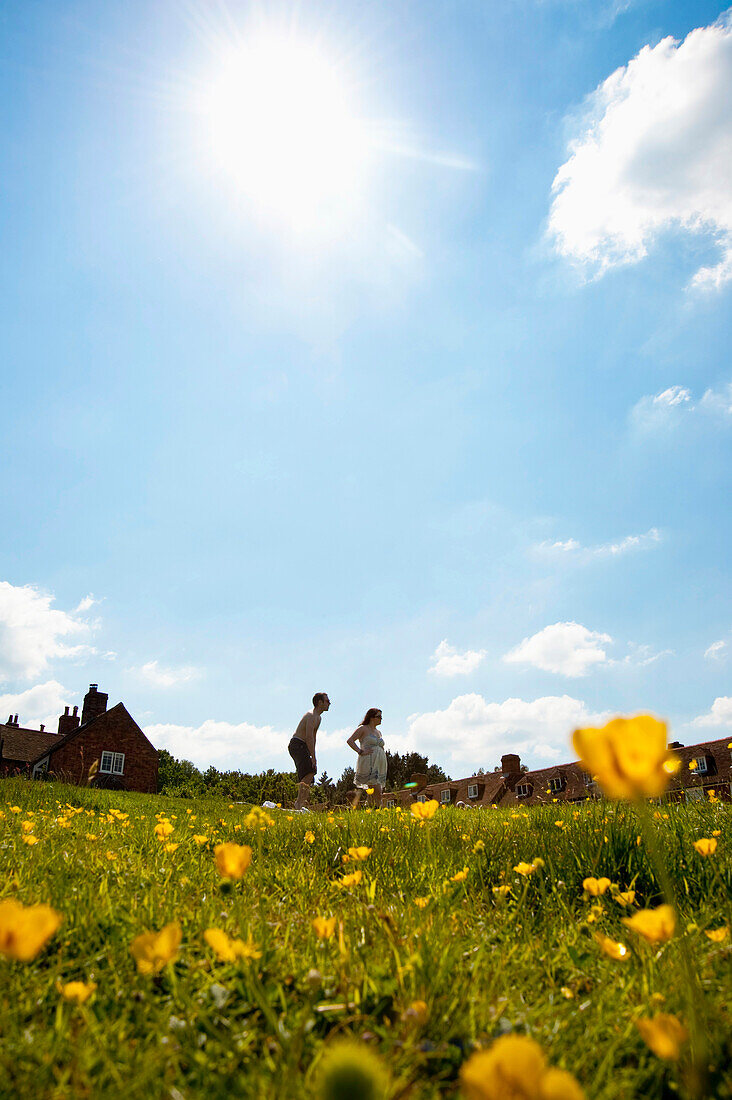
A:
(282, 125)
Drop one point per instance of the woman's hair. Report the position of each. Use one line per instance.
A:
(370, 713)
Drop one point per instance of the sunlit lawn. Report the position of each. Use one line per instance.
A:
(427, 960)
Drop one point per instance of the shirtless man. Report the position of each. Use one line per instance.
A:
(302, 748)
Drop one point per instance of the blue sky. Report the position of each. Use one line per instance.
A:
(397, 369)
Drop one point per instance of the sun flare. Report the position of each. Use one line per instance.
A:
(282, 124)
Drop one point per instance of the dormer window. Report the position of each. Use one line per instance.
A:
(701, 766)
(445, 795)
(522, 790)
(472, 790)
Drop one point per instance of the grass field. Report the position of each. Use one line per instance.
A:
(440, 948)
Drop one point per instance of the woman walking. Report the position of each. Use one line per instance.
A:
(371, 765)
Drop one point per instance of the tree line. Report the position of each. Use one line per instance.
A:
(183, 779)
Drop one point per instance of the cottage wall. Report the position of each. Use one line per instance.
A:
(115, 731)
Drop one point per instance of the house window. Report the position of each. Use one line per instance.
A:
(390, 803)
(522, 790)
(113, 763)
(556, 783)
(589, 781)
(421, 797)
(445, 796)
(41, 767)
(472, 790)
(700, 767)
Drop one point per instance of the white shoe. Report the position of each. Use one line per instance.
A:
(305, 810)
(269, 805)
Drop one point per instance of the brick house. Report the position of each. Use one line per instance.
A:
(705, 767)
(109, 742)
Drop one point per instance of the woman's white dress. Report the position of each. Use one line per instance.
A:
(371, 768)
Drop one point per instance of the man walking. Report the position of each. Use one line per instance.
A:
(302, 748)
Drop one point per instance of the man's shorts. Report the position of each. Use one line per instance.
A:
(300, 753)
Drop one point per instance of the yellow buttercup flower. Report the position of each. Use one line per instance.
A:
(350, 880)
(27, 826)
(717, 935)
(655, 925)
(664, 1034)
(359, 853)
(163, 829)
(626, 897)
(479, 846)
(200, 839)
(706, 846)
(77, 992)
(529, 868)
(154, 950)
(171, 847)
(229, 950)
(421, 903)
(612, 948)
(515, 1068)
(418, 1012)
(232, 860)
(595, 886)
(324, 927)
(309, 837)
(629, 756)
(460, 876)
(25, 929)
(423, 811)
(501, 891)
(30, 839)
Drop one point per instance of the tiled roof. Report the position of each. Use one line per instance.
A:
(24, 745)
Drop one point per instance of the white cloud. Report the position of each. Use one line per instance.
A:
(226, 745)
(671, 407)
(716, 651)
(653, 153)
(719, 715)
(32, 633)
(42, 703)
(569, 649)
(86, 603)
(472, 732)
(572, 550)
(449, 662)
(161, 677)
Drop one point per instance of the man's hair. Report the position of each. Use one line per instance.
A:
(319, 697)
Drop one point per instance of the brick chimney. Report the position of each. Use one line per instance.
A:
(68, 722)
(511, 767)
(95, 703)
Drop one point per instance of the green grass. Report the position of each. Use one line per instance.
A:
(258, 1028)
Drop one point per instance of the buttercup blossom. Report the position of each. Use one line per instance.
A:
(664, 1034)
(25, 929)
(78, 992)
(655, 925)
(163, 829)
(596, 886)
(350, 880)
(229, 950)
(629, 756)
(359, 853)
(423, 811)
(324, 927)
(515, 1068)
(154, 950)
(624, 898)
(529, 868)
(706, 846)
(232, 860)
(612, 948)
(717, 935)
